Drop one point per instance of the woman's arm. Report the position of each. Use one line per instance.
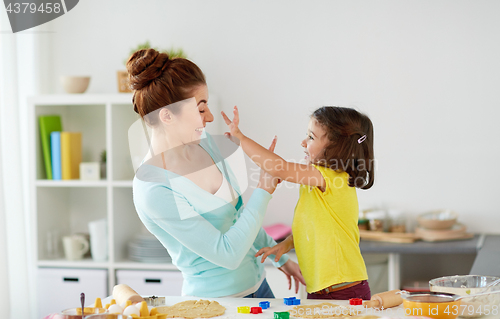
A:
(273, 163)
(166, 213)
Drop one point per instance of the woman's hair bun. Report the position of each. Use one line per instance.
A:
(144, 66)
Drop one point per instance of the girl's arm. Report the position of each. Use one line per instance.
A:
(277, 250)
(272, 163)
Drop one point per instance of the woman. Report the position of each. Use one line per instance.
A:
(186, 194)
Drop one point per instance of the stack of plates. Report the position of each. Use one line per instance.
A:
(147, 249)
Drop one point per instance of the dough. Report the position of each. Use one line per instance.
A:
(193, 309)
(326, 310)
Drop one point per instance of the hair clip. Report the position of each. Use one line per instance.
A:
(361, 139)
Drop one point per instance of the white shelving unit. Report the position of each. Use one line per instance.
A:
(68, 206)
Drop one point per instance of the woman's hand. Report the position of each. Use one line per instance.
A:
(291, 270)
(266, 181)
(233, 125)
(277, 250)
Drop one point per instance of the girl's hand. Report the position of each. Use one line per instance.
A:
(291, 269)
(277, 250)
(232, 138)
(233, 125)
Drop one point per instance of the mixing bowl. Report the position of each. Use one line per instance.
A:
(87, 311)
(468, 285)
(431, 304)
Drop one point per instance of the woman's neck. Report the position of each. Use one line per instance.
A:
(173, 149)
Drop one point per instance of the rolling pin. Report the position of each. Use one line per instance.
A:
(384, 300)
(122, 293)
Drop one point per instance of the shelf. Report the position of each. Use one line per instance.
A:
(70, 183)
(79, 183)
(122, 183)
(63, 263)
(90, 264)
(81, 99)
(128, 264)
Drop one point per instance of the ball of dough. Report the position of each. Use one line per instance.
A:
(115, 309)
(130, 310)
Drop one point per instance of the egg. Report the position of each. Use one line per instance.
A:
(130, 310)
(115, 309)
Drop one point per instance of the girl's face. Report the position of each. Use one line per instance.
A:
(194, 116)
(315, 142)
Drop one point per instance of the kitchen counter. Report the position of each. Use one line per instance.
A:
(487, 262)
(277, 305)
(466, 246)
(487, 248)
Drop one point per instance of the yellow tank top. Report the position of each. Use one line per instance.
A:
(325, 233)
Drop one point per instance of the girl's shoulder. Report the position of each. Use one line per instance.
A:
(328, 172)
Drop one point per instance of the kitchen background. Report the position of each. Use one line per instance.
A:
(426, 72)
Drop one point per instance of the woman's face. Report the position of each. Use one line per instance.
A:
(315, 142)
(194, 116)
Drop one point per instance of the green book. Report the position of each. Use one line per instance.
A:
(48, 124)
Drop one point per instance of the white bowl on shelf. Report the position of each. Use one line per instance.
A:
(75, 84)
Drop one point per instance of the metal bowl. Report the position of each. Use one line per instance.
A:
(468, 285)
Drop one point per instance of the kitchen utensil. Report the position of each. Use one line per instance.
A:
(82, 301)
(384, 300)
(467, 285)
(438, 219)
(75, 247)
(98, 230)
(387, 237)
(491, 284)
(122, 293)
(437, 305)
(52, 247)
(457, 231)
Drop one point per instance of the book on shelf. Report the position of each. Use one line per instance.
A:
(71, 154)
(48, 124)
(55, 150)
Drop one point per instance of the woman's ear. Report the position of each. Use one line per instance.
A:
(165, 116)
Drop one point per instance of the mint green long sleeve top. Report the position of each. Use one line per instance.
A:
(211, 241)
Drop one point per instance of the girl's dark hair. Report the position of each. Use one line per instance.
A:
(159, 81)
(348, 150)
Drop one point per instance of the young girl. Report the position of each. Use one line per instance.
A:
(339, 154)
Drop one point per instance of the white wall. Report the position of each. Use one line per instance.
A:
(426, 72)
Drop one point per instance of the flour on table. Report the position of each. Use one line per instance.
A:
(193, 309)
